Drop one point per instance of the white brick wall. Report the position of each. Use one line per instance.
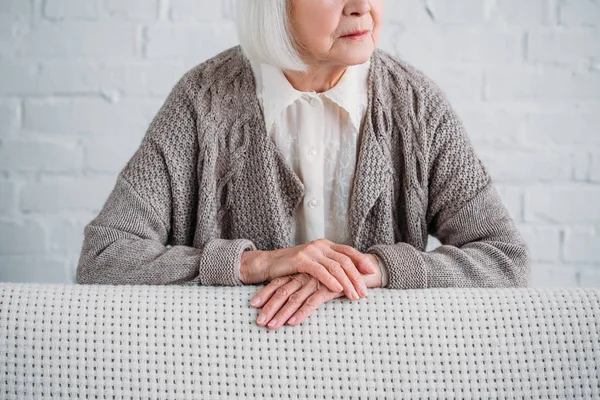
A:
(80, 81)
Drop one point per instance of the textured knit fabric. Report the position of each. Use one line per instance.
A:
(171, 342)
(318, 135)
(208, 183)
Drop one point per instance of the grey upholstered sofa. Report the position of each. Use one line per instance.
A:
(175, 342)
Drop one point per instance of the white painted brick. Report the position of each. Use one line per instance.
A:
(390, 33)
(582, 245)
(196, 10)
(154, 78)
(512, 198)
(33, 268)
(456, 44)
(18, 78)
(102, 155)
(15, 18)
(544, 85)
(460, 84)
(11, 7)
(457, 11)
(520, 13)
(590, 277)
(409, 12)
(517, 166)
(565, 47)
(494, 128)
(81, 194)
(229, 9)
(27, 156)
(551, 275)
(10, 28)
(543, 241)
(8, 117)
(26, 237)
(82, 116)
(145, 10)
(579, 12)
(52, 77)
(8, 198)
(432, 243)
(595, 168)
(66, 235)
(581, 166)
(575, 128)
(201, 42)
(80, 39)
(563, 204)
(71, 9)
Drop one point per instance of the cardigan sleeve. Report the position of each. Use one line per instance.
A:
(127, 244)
(128, 241)
(480, 244)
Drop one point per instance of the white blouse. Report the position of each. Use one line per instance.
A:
(317, 133)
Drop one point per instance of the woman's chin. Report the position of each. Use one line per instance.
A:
(356, 54)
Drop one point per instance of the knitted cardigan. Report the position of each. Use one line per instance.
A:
(208, 183)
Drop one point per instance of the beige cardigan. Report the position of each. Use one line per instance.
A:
(207, 183)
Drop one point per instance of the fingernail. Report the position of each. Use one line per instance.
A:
(261, 318)
(340, 288)
(255, 301)
(373, 269)
(273, 323)
(292, 320)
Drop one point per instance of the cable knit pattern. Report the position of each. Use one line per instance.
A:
(208, 183)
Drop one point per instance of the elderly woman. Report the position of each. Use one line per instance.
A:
(307, 158)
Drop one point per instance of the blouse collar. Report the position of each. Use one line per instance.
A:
(276, 93)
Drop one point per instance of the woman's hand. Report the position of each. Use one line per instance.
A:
(337, 266)
(297, 296)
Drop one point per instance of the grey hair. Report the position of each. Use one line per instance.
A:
(264, 32)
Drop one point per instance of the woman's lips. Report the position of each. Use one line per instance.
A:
(357, 36)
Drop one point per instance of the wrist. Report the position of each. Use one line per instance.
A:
(373, 280)
(252, 266)
(383, 272)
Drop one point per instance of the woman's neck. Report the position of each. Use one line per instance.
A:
(318, 79)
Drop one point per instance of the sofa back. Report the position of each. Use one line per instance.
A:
(168, 342)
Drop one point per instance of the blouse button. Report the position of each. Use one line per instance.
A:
(313, 203)
(313, 101)
(312, 152)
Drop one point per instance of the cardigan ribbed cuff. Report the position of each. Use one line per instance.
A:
(405, 267)
(221, 260)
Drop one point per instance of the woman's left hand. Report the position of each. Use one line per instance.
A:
(298, 295)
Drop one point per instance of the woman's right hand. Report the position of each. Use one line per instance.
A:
(331, 263)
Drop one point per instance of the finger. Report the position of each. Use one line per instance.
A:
(350, 270)
(362, 262)
(279, 298)
(314, 301)
(312, 267)
(293, 303)
(266, 292)
(337, 270)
